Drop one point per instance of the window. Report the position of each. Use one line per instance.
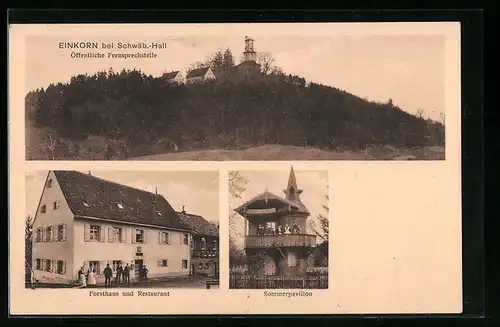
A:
(184, 264)
(96, 266)
(163, 263)
(185, 241)
(61, 233)
(61, 267)
(49, 234)
(164, 238)
(260, 229)
(95, 233)
(49, 183)
(200, 265)
(48, 265)
(38, 264)
(115, 265)
(57, 204)
(295, 229)
(139, 236)
(43, 209)
(203, 244)
(39, 233)
(115, 235)
(120, 206)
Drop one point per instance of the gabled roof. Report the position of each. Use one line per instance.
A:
(170, 75)
(90, 196)
(198, 72)
(198, 224)
(270, 196)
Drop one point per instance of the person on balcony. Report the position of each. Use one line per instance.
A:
(287, 229)
(296, 229)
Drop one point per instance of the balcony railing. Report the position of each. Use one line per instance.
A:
(205, 253)
(280, 240)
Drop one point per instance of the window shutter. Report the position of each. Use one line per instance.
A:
(110, 238)
(159, 263)
(43, 233)
(52, 233)
(53, 266)
(42, 266)
(86, 233)
(159, 238)
(145, 239)
(64, 233)
(122, 235)
(64, 268)
(102, 234)
(167, 238)
(133, 232)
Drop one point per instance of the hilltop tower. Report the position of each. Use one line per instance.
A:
(249, 54)
(275, 231)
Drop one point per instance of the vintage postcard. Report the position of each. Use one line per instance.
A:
(271, 168)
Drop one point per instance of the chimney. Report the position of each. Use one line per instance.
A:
(90, 173)
(183, 210)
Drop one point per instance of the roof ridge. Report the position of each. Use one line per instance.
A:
(111, 182)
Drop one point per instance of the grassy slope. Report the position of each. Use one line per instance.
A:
(285, 152)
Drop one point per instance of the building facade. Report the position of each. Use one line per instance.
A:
(173, 77)
(85, 221)
(275, 232)
(200, 75)
(204, 245)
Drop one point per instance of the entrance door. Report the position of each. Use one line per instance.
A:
(137, 267)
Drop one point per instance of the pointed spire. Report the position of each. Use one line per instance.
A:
(156, 189)
(292, 189)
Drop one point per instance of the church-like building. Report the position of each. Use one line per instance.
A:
(276, 230)
(249, 65)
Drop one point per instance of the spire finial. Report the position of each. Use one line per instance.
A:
(156, 189)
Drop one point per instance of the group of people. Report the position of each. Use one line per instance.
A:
(262, 230)
(122, 275)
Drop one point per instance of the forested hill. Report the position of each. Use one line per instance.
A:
(122, 115)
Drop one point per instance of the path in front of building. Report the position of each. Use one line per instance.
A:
(166, 282)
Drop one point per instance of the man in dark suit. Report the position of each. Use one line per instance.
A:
(126, 274)
(119, 274)
(108, 274)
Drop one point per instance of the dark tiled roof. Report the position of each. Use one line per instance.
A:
(95, 197)
(199, 224)
(198, 72)
(170, 75)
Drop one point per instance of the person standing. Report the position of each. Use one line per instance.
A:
(81, 278)
(108, 274)
(119, 274)
(145, 273)
(126, 274)
(91, 277)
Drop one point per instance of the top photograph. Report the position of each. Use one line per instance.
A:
(238, 97)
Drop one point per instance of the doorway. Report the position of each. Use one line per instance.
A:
(138, 267)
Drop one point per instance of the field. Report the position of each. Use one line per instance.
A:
(287, 153)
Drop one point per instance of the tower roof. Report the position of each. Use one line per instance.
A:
(292, 180)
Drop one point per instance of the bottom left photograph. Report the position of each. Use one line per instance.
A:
(122, 229)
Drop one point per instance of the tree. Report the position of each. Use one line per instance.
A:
(267, 63)
(237, 258)
(227, 60)
(420, 113)
(28, 249)
(322, 231)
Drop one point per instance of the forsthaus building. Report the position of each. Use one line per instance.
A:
(85, 221)
(275, 230)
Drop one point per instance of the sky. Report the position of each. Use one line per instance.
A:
(197, 191)
(407, 68)
(313, 183)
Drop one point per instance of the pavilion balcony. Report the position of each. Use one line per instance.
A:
(280, 240)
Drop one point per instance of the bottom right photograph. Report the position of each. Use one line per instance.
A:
(278, 229)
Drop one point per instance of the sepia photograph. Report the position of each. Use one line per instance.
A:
(110, 229)
(209, 95)
(278, 229)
